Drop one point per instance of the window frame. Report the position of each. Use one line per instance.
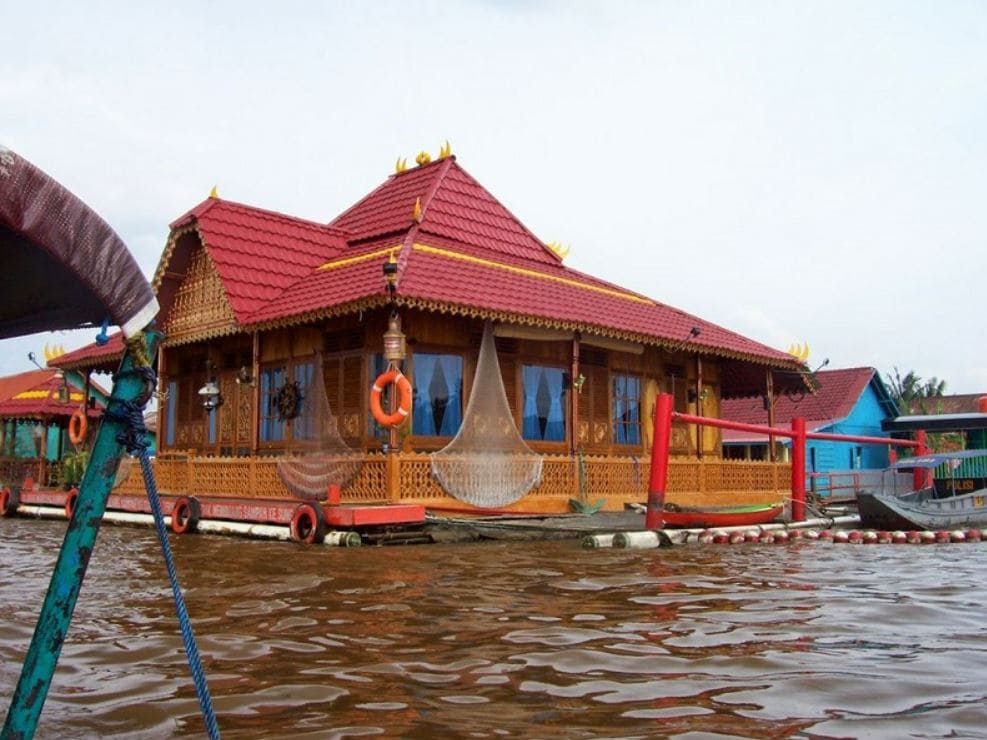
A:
(565, 403)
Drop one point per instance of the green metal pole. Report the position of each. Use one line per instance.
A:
(70, 568)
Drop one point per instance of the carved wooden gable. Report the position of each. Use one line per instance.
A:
(201, 308)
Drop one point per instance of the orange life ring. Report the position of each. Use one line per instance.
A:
(77, 426)
(404, 398)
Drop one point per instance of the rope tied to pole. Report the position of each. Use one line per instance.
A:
(134, 439)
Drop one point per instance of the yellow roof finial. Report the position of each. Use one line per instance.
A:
(445, 151)
(423, 158)
(799, 352)
(214, 193)
(560, 251)
(416, 214)
(401, 165)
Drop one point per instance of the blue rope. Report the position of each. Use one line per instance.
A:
(104, 336)
(132, 414)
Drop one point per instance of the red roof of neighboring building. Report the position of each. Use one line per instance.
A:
(837, 392)
(36, 394)
(104, 357)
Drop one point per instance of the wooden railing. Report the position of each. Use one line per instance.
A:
(407, 477)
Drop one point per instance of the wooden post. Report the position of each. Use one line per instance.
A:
(920, 476)
(699, 406)
(255, 413)
(770, 396)
(393, 476)
(659, 462)
(798, 469)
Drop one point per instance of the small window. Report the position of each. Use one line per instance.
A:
(544, 403)
(626, 410)
(271, 425)
(438, 399)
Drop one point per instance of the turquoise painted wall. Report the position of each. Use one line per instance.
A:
(865, 420)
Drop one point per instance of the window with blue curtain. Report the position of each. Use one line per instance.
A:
(626, 410)
(544, 403)
(438, 394)
(171, 423)
(271, 425)
(303, 426)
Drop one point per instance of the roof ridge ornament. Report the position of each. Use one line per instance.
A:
(401, 165)
(423, 158)
(416, 213)
(214, 193)
(799, 352)
(558, 250)
(53, 352)
(445, 151)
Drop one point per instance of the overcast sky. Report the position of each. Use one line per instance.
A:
(798, 172)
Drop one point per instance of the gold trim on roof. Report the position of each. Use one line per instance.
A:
(531, 273)
(347, 261)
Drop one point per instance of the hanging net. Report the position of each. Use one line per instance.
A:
(487, 463)
(318, 456)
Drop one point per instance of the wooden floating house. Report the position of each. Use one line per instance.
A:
(254, 301)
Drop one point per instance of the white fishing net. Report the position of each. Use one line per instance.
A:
(317, 456)
(487, 463)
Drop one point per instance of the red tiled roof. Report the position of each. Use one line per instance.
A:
(41, 398)
(102, 357)
(454, 206)
(466, 252)
(469, 251)
(11, 385)
(837, 393)
(259, 253)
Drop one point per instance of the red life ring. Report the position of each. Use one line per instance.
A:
(10, 498)
(404, 398)
(185, 515)
(70, 500)
(308, 524)
(77, 426)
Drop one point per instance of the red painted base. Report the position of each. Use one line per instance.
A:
(264, 511)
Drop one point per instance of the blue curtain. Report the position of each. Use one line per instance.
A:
(452, 368)
(619, 391)
(431, 395)
(633, 401)
(626, 410)
(555, 428)
(530, 376)
(271, 427)
(423, 421)
(553, 421)
(303, 425)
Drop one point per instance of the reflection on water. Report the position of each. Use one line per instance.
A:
(510, 640)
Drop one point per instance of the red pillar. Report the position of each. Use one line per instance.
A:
(920, 475)
(659, 462)
(798, 469)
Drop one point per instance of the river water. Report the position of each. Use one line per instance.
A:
(499, 639)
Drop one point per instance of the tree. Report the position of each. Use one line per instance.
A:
(913, 395)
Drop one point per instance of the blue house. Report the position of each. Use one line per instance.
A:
(852, 401)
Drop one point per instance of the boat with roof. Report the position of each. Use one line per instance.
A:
(950, 500)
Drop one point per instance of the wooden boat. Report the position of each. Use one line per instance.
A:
(720, 516)
(947, 506)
